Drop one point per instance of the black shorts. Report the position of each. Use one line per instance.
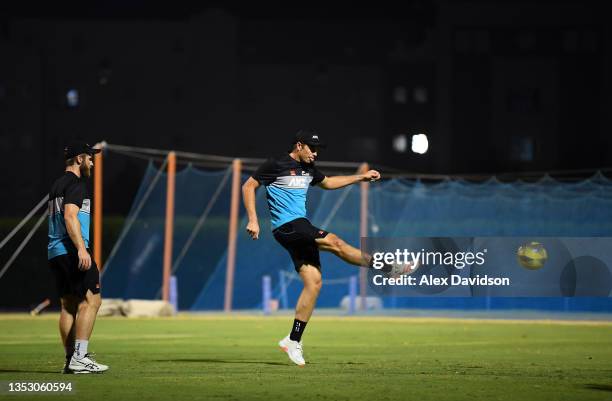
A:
(72, 281)
(298, 238)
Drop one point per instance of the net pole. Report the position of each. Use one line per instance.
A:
(283, 288)
(169, 226)
(98, 196)
(232, 235)
(363, 232)
(266, 284)
(352, 294)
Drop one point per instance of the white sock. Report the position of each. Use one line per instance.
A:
(80, 348)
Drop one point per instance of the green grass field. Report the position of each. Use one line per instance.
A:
(236, 358)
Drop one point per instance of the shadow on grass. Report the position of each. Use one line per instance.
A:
(601, 387)
(238, 361)
(59, 370)
(204, 360)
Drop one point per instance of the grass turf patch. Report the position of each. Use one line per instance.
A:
(234, 358)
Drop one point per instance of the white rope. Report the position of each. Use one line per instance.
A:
(337, 281)
(132, 217)
(389, 171)
(510, 174)
(334, 210)
(337, 205)
(292, 276)
(149, 157)
(24, 221)
(139, 156)
(339, 164)
(213, 158)
(23, 244)
(187, 155)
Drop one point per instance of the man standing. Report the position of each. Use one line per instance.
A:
(77, 276)
(287, 179)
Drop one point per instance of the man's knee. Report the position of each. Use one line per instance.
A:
(314, 288)
(331, 243)
(311, 276)
(91, 301)
(316, 284)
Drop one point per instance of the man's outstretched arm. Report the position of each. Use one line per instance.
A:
(248, 197)
(344, 180)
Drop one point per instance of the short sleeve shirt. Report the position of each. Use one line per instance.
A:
(67, 189)
(287, 181)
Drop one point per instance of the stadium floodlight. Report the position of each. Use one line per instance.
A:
(400, 95)
(420, 95)
(72, 98)
(420, 143)
(400, 143)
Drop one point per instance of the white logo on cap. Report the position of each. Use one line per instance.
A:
(315, 137)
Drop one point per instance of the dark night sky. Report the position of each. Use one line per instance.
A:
(180, 10)
(510, 86)
(498, 86)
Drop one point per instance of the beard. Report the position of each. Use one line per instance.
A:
(85, 170)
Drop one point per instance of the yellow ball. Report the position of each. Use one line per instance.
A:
(532, 256)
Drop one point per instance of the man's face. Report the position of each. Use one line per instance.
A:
(307, 153)
(86, 165)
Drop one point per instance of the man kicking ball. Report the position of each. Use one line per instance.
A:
(287, 179)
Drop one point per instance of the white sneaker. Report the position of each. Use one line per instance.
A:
(293, 350)
(404, 269)
(86, 364)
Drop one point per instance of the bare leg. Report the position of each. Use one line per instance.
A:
(292, 344)
(67, 320)
(334, 244)
(311, 276)
(88, 309)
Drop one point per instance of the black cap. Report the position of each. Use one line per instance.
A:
(75, 148)
(309, 137)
